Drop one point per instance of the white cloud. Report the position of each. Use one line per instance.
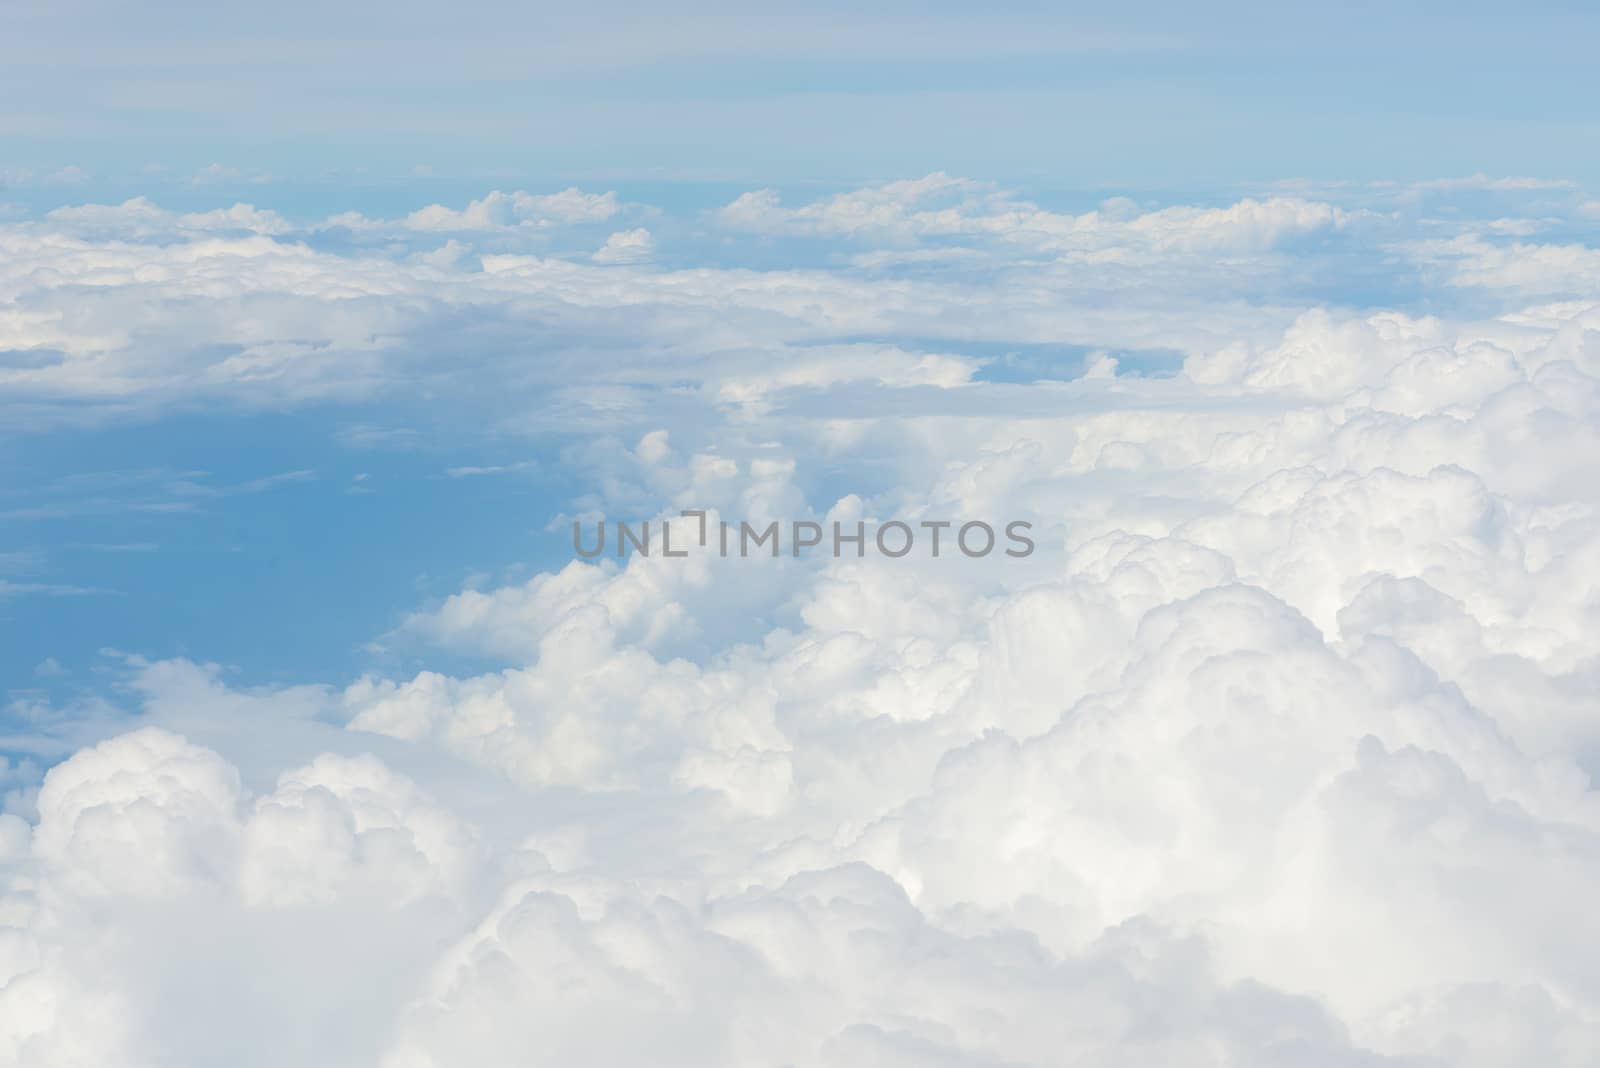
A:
(1520, 268)
(1280, 751)
(145, 814)
(141, 217)
(627, 246)
(501, 210)
(939, 206)
(345, 826)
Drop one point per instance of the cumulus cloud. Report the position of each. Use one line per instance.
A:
(501, 210)
(1281, 750)
(626, 246)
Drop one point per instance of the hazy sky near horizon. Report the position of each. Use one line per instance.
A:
(1167, 95)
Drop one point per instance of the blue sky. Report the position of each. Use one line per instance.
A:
(1047, 97)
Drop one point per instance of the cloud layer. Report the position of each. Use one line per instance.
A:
(1279, 751)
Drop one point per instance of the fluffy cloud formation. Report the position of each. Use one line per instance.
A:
(626, 246)
(500, 210)
(1280, 750)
